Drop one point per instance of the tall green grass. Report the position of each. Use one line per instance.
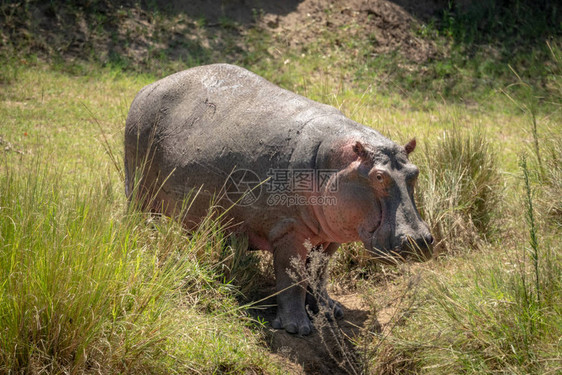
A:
(87, 286)
(460, 188)
(479, 319)
(551, 197)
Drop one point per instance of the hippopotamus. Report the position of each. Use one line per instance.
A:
(293, 175)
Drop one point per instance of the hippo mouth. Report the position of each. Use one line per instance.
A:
(383, 254)
(398, 255)
(408, 252)
(380, 244)
(389, 244)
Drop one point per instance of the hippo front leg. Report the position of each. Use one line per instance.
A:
(317, 297)
(291, 312)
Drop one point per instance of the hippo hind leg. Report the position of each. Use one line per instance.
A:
(317, 297)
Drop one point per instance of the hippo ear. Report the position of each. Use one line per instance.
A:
(410, 146)
(359, 149)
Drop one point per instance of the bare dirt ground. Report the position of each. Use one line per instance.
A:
(322, 352)
(337, 347)
(389, 25)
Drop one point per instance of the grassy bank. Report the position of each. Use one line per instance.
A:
(437, 50)
(88, 286)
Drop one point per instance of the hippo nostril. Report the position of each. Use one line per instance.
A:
(429, 239)
(425, 241)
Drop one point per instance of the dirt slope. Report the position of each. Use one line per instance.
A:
(388, 25)
(335, 347)
(138, 34)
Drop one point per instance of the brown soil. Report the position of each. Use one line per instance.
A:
(389, 25)
(332, 346)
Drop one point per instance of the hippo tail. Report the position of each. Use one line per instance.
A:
(129, 183)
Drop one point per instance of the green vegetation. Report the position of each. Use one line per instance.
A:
(460, 182)
(88, 284)
(461, 50)
(497, 310)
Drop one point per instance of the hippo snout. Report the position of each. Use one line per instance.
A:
(418, 248)
(390, 247)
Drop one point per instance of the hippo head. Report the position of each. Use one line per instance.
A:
(376, 201)
(396, 230)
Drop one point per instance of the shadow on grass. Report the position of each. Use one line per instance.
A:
(505, 24)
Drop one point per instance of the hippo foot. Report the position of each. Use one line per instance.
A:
(293, 323)
(335, 310)
(332, 309)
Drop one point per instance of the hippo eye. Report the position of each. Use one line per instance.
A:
(379, 177)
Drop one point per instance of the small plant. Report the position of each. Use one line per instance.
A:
(352, 263)
(551, 197)
(533, 236)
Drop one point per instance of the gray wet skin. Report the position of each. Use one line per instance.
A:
(193, 129)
